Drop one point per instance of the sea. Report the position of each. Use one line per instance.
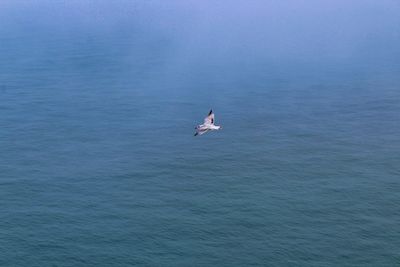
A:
(99, 165)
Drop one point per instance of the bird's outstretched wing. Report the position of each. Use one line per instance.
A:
(201, 132)
(210, 118)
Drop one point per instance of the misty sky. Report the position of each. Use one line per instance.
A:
(366, 32)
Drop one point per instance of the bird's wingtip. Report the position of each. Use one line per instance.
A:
(209, 113)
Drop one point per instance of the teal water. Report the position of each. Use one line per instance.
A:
(99, 166)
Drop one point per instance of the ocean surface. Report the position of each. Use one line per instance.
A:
(99, 165)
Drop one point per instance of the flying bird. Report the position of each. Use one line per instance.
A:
(208, 125)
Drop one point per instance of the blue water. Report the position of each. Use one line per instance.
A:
(99, 166)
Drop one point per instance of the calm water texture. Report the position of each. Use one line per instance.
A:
(99, 166)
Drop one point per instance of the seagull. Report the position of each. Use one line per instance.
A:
(208, 125)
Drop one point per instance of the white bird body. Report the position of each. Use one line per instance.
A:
(208, 125)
